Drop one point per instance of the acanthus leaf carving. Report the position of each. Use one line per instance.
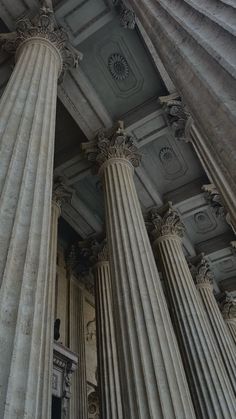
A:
(177, 115)
(165, 223)
(61, 193)
(200, 269)
(117, 144)
(42, 26)
(127, 16)
(228, 307)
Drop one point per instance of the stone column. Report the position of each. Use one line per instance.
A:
(152, 375)
(27, 129)
(185, 129)
(211, 390)
(110, 390)
(196, 43)
(229, 315)
(78, 401)
(203, 279)
(61, 194)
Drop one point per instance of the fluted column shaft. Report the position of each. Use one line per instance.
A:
(196, 43)
(229, 315)
(47, 364)
(110, 390)
(222, 337)
(152, 376)
(78, 401)
(232, 328)
(211, 390)
(27, 130)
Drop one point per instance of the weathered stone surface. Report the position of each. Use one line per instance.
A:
(152, 376)
(196, 43)
(203, 364)
(27, 129)
(110, 387)
(203, 279)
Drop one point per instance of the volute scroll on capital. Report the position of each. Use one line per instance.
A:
(165, 222)
(116, 144)
(42, 26)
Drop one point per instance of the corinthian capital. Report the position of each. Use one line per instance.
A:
(95, 251)
(200, 270)
(177, 115)
(214, 198)
(228, 307)
(115, 144)
(42, 26)
(61, 193)
(127, 16)
(165, 222)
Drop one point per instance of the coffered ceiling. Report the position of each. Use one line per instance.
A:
(121, 77)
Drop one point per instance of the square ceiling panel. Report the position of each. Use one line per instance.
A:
(120, 69)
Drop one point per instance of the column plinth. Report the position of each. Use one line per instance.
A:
(152, 377)
(203, 279)
(229, 315)
(27, 129)
(212, 393)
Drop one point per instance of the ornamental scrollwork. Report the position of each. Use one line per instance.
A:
(117, 144)
(165, 223)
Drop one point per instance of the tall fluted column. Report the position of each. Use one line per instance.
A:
(203, 279)
(229, 315)
(78, 401)
(61, 194)
(110, 389)
(27, 129)
(196, 44)
(152, 376)
(211, 390)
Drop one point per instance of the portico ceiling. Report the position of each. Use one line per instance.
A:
(119, 79)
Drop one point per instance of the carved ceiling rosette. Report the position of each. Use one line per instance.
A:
(200, 270)
(116, 144)
(42, 26)
(165, 222)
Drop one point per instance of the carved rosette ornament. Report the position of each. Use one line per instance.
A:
(112, 145)
(42, 26)
(200, 270)
(165, 222)
(177, 115)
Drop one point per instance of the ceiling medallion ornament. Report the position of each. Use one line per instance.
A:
(118, 67)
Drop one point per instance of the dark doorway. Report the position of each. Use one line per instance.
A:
(56, 408)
